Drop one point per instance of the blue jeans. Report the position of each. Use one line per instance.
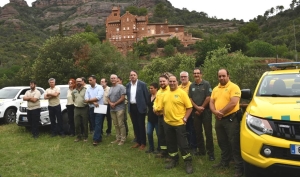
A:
(150, 129)
(97, 119)
(191, 134)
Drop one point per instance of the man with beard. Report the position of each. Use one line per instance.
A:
(158, 110)
(32, 97)
(199, 93)
(80, 111)
(177, 108)
(224, 104)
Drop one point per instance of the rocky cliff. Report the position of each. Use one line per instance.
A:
(72, 14)
(47, 3)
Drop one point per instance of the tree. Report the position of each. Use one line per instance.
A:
(272, 10)
(237, 41)
(88, 28)
(238, 65)
(203, 47)
(259, 48)
(169, 50)
(174, 65)
(160, 43)
(174, 41)
(266, 14)
(251, 30)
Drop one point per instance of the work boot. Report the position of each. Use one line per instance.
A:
(220, 165)
(171, 164)
(238, 172)
(188, 167)
(161, 155)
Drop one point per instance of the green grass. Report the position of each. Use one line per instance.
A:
(21, 155)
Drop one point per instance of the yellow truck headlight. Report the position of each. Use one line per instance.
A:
(258, 125)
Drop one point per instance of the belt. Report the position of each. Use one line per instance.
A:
(133, 103)
(230, 115)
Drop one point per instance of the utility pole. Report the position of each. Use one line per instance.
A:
(296, 55)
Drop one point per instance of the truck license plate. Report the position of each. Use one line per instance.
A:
(295, 149)
(25, 119)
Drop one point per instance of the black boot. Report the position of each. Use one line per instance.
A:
(188, 167)
(171, 164)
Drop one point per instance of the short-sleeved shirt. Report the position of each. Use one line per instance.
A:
(115, 93)
(157, 105)
(223, 94)
(53, 101)
(175, 104)
(199, 92)
(185, 87)
(35, 94)
(106, 91)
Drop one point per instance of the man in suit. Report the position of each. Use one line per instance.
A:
(137, 95)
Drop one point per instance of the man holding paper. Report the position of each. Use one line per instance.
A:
(94, 97)
(116, 98)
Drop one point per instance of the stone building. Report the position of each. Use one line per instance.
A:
(123, 31)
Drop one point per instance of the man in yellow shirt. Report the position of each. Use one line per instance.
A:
(224, 104)
(157, 109)
(177, 108)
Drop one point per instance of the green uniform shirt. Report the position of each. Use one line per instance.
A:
(199, 92)
(78, 97)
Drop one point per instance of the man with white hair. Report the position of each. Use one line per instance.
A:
(52, 94)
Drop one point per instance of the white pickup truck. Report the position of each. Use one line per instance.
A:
(10, 101)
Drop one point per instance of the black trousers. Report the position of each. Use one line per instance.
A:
(138, 121)
(176, 138)
(70, 110)
(162, 135)
(109, 121)
(228, 135)
(34, 119)
(201, 121)
(55, 113)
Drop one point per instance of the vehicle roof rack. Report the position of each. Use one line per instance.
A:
(284, 65)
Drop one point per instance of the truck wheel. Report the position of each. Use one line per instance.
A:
(251, 170)
(66, 125)
(10, 116)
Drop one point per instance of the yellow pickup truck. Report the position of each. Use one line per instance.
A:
(270, 127)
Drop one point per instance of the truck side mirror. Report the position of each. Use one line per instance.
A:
(246, 94)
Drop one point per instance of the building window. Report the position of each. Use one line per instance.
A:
(128, 19)
(124, 37)
(133, 26)
(115, 14)
(117, 29)
(161, 26)
(176, 29)
(148, 30)
(142, 28)
(128, 37)
(124, 28)
(127, 28)
(162, 32)
(132, 36)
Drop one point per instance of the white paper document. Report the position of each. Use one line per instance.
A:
(101, 109)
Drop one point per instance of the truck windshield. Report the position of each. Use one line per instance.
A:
(280, 85)
(8, 93)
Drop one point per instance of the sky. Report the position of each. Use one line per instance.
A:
(239, 9)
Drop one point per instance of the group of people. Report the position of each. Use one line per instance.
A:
(178, 113)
